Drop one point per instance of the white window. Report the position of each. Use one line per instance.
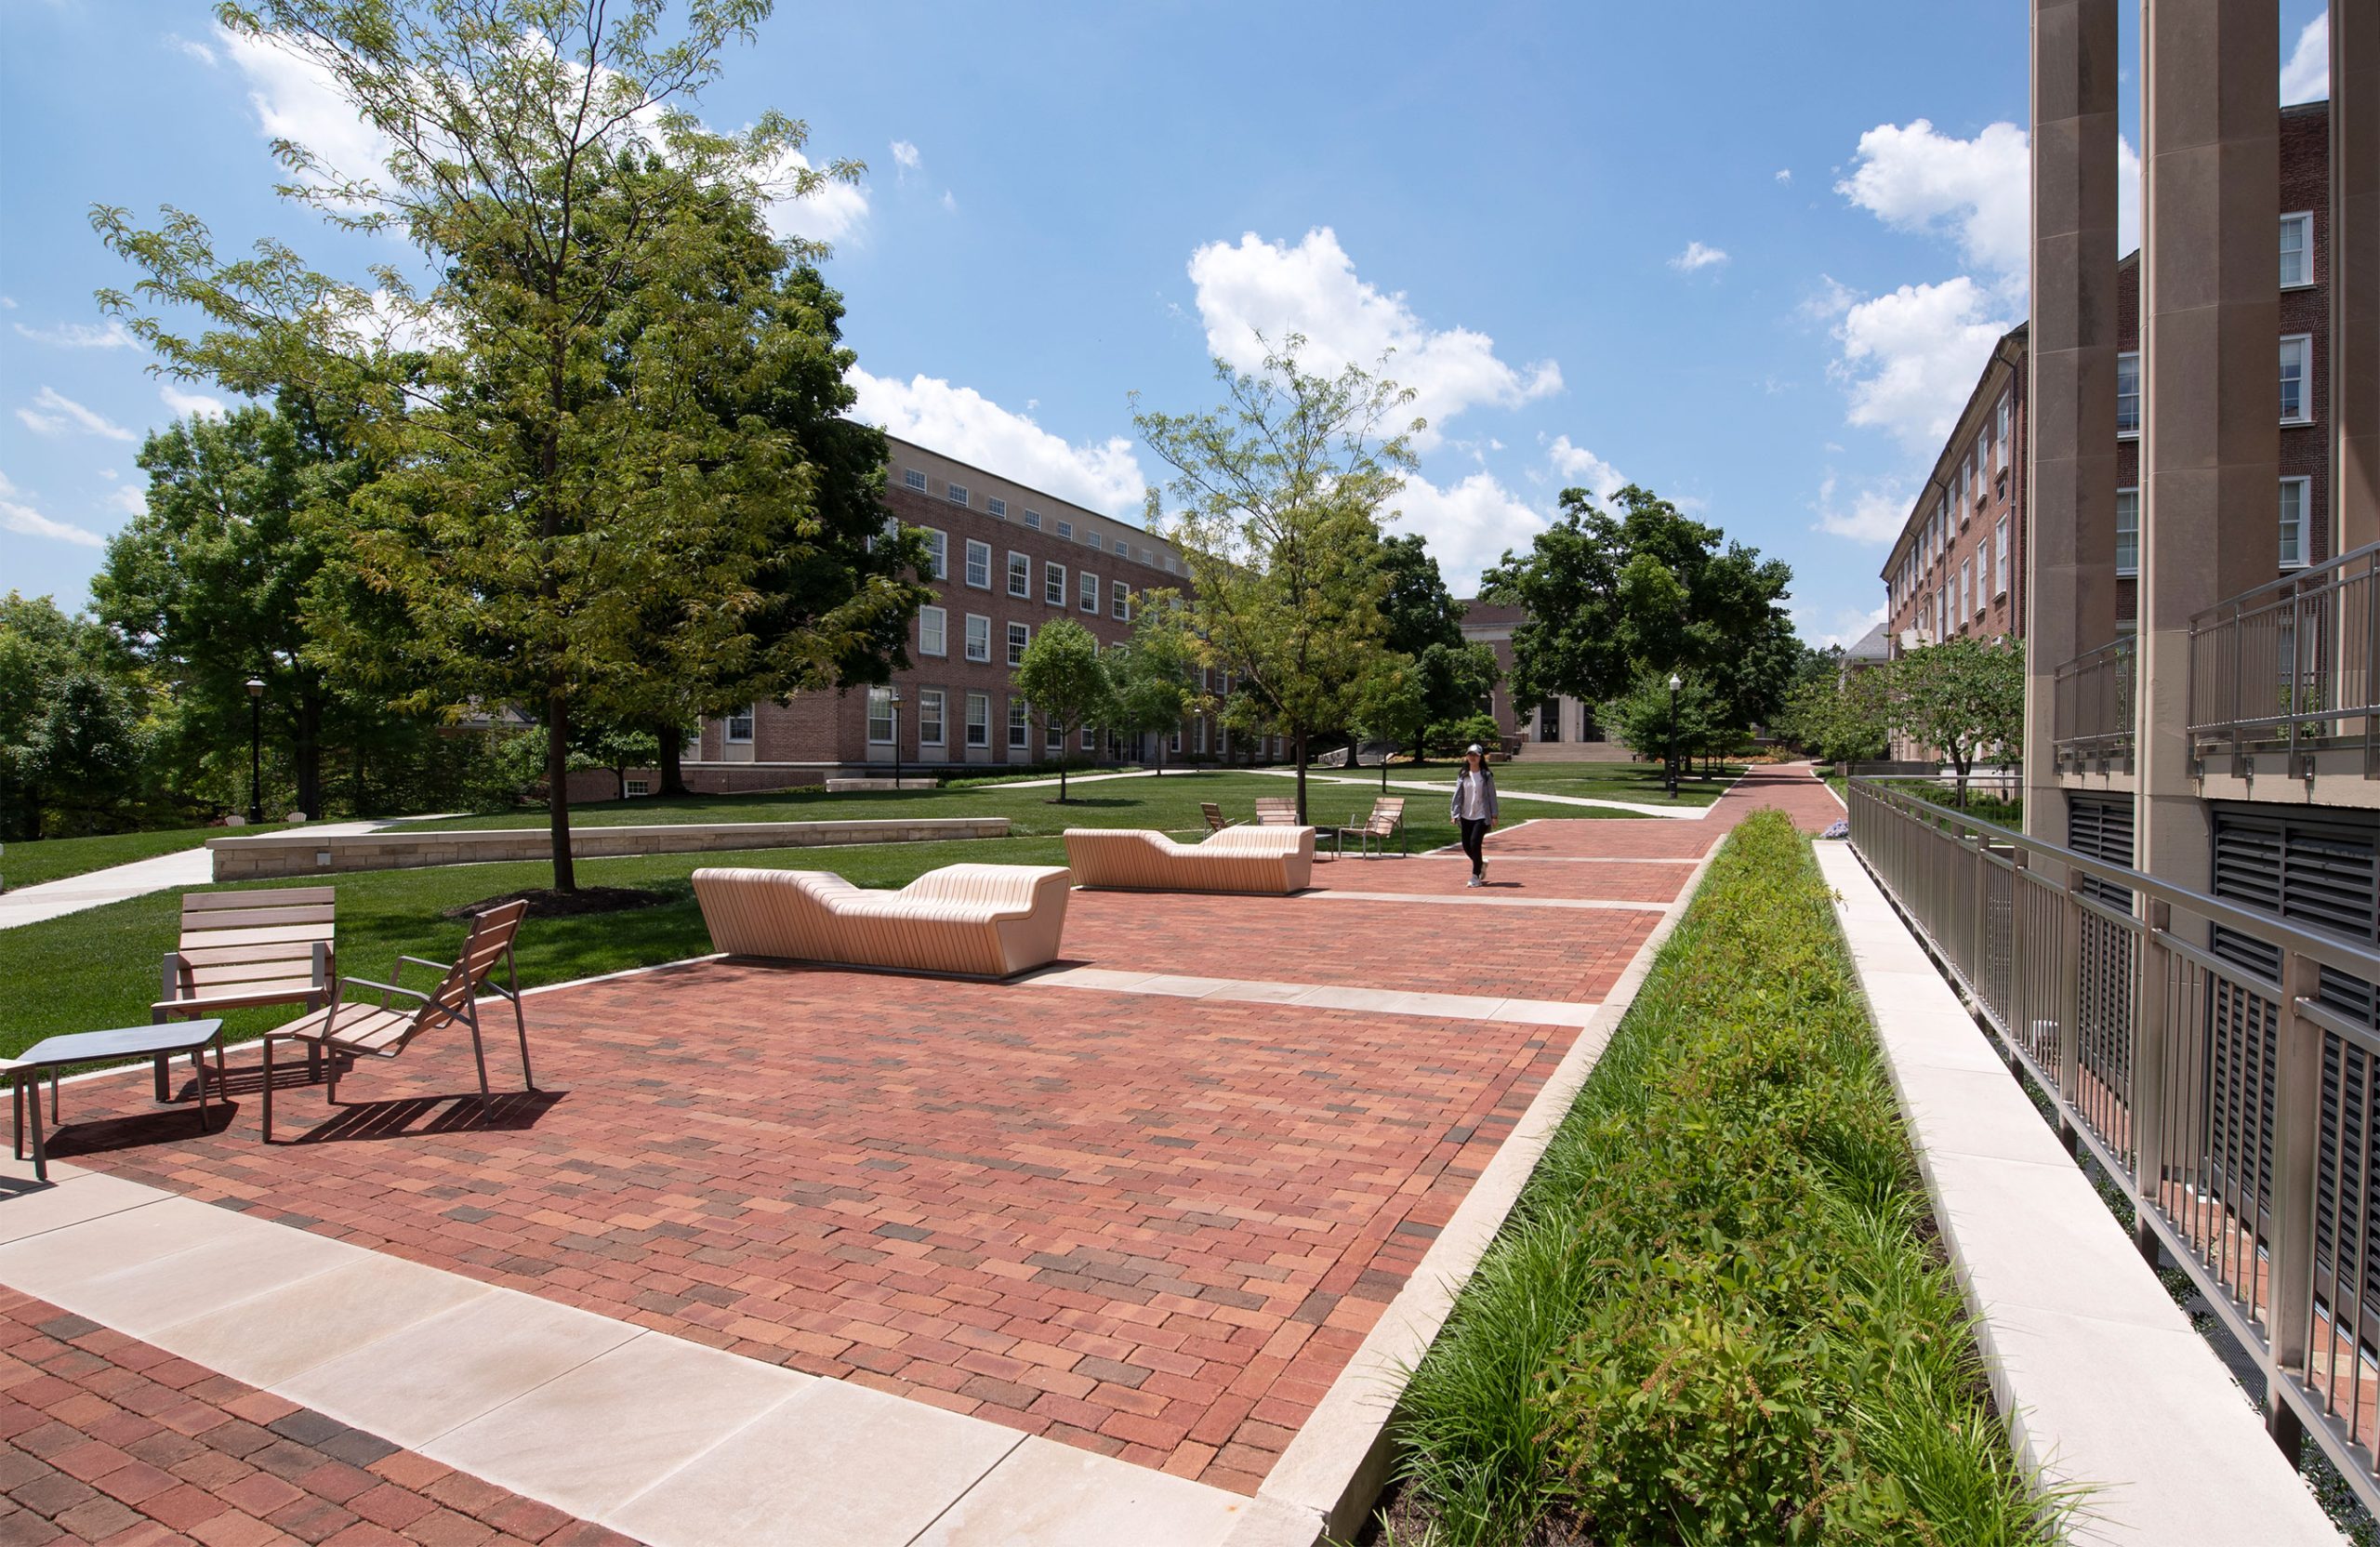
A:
(979, 719)
(2007, 427)
(1941, 524)
(1053, 584)
(1089, 739)
(933, 631)
(1032, 520)
(1121, 601)
(955, 493)
(979, 565)
(1019, 636)
(1198, 737)
(1970, 599)
(979, 636)
(1020, 575)
(1983, 593)
(2000, 552)
(879, 716)
(2127, 531)
(1066, 529)
(914, 479)
(1019, 727)
(1092, 538)
(634, 787)
(739, 725)
(1090, 590)
(2128, 393)
(889, 532)
(930, 717)
(2296, 354)
(2293, 494)
(938, 552)
(2296, 250)
(1053, 737)
(997, 506)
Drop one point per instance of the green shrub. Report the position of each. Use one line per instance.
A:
(1717, 1315)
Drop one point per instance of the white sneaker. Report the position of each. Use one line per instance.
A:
(1472, 881)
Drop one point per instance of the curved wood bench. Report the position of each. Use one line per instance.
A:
(974, 920)
(1275, 860)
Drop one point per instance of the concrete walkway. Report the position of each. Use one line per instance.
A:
(2101, 1379)
(30, 904)
(1633, 807)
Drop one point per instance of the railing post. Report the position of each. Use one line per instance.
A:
(2148, 1037)
(2070, 1010)
(2018, 1019)
(1983, 922)
(2298, 1116)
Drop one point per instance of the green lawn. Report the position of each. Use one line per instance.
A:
(98, 968)
(1637, 781)
(52, 859)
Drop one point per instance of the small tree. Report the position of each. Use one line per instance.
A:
(1394, 699)
(1064, 680)
(1839, 716)
(1963, 697)
(1653, 721)
(1155, 678)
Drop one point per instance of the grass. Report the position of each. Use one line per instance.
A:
(98, 968)
(52, 859)
(1640, 783)
(1983, 808)
(1718, 1314)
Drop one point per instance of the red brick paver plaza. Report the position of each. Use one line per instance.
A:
(1155, 1227)
(106, 1439)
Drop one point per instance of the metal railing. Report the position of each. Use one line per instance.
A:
(2223, 1063)
(2292, 667)
(2090, 699)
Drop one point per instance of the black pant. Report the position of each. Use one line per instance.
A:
(1474, 834)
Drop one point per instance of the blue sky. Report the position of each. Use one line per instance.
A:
(1749, 254)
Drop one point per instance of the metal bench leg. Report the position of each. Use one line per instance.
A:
(41, 1147)
(158, 1075)
(521, 1023)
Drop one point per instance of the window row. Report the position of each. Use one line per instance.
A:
(2295, 495)
(933, 633)
(2296, 397)
(1123, 548)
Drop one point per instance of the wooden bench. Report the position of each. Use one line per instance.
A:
(970, 920)
(1273, 860)
(1386, 821)
(1276, 811)
(242, 950)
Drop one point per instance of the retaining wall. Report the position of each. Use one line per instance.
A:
(268, 855)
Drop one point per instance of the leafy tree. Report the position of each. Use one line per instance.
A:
(1394, 700)
(1963, 696)
(210, 585)
(53, 669)
(1674, 729)
(1425, 625)
(1155, 678)
(1064, 680)
(1280, 493)
(547, 489)
(1835, 714)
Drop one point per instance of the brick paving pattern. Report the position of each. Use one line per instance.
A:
(1152, 1227)
(104, 1439)
(1517, 879)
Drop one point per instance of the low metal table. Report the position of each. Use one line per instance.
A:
(158, 1043)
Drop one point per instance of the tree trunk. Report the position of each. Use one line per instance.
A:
(1062, 761)
(1300, 739)
(671, 760)
(557, 783)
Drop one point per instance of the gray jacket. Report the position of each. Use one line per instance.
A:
(1487, 780)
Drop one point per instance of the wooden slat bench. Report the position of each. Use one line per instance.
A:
(242, 950)
(1273, 860)
(973, 920)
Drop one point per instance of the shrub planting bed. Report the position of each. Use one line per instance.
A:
(1718, 1312)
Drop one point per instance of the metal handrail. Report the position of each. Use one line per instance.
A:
(2223, 1095)
(2292, 665)
(2091, 700)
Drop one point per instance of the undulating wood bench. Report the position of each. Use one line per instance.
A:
(974, 920)
(1275, 860)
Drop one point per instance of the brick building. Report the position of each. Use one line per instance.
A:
(1008, 560)
(1566, 723)
(1958, 565)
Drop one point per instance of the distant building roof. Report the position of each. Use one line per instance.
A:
(1876, 645)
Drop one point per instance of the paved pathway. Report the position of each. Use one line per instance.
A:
(1074, 1259)
(1634, 808)
(30, 904)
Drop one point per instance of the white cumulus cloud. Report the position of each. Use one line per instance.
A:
(1840, 627)
(132, 500)
(906, 156)
(1876, 514)
(1910, 358)
(22, 518)
(53, 414)
(194, 49)
(2305, 75)
(1582, 469)
(297, 100)
(192, 405)
(1275, 289)
(961, 422)
(1697, 256)
(830, 212)
(1469, 523)
(1784, 174)
(80, 336)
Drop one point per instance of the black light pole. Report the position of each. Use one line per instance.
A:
(256, 750)
(896, 741)
(1673, 771)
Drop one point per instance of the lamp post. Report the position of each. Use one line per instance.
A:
(896, 741)
(256, 750)
(1674, 684)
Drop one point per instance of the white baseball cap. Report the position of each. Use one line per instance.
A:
(1475, 747)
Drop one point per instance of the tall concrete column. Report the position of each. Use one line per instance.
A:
(2070, 398)
(2210, 435)
(2355, 273)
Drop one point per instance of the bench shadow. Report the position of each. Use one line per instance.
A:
(418, 1116)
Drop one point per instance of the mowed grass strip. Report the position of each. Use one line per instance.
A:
(100, 968)
(1718, 1314)
(54, 859)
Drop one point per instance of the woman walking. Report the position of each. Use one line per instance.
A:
(1474, 809)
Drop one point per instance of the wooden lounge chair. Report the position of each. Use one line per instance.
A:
(348, 1029)
(1214, 815)
(242, 950)
(1271, 861)
(1276, 811)
(1387, 820)
(970, 920)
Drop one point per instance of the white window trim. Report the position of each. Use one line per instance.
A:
(1020, 725)
(955, 493)
(727, 727)
(942, 617)
(1052, 570)
(2304, 522)
(2307, 216)
(2305, 380)
(942, 718)
(1017, 648)
(1032, 520)
(938, 547)
(2122, 573)
(1120, 604)
(2000, 554)
(914, 479)
(996, 508)
(1087, 591)
(2138, 392)
(975, 723)
(891, 723)
(968, 638)
(967, 574)
(1019, 574)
